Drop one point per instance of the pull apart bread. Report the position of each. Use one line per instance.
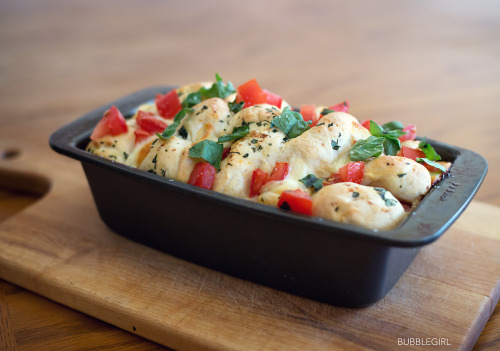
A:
(247, 142)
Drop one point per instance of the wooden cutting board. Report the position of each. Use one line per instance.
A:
(61, 249)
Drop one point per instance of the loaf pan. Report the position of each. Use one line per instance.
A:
(313, 257)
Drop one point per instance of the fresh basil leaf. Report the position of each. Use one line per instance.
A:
(327, 111)
(218, 89)
(311, 180)
(391, 146)
(291, 123)
(235, 107)
(431, 163)
(170, 130)
(208, 150)
(394, 125)
(365, 148)
(237, 133)
(428, 150)
(192, 99)
(376, 130)
(298, 128)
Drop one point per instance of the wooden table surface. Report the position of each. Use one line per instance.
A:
(434, 64)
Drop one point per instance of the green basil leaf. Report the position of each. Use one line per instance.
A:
(235, 107)
(428, 150)
(208, 150)
(311, 180)
(327, 111)
(376, 130)
(366, 148)
(394, 125)
(218, 89)
(431, 163)
(237, 133)
(391, 146)
(298, 128)
(192, 99)
(291, 123)
(170, 130)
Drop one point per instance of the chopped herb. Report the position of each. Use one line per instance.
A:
(330, 125)
(335, 145)
(388, 202)
(285, 206)
(237, 133)
(170, 130)
(254, 141)
(245, 155)
(154, 159)
(366, 148)
(320, 124)
(355, 194)
(183, 133)
(125, 155)
(275, 130)
(204, 107)
(151, 171)
(208, 150)
(311, 180)
(401, 175)
(236, 107)
(112, 156)
(428, 150)
(291, 123)
(327, 111)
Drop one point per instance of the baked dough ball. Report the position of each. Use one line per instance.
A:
(372, 208)
(314, 152)
(406, 179)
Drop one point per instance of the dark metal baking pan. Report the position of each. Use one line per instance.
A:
(313, 257)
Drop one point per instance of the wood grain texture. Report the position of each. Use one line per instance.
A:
(431, 63)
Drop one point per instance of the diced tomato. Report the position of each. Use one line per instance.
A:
(148, 125)
(251, 93)
(411, 133)
(352, 172)
(112, 123)
(296, 201)
(202, 175)
(273, 99)
(342, 107)
(366, 124)
(308, 112)
(408, 152)
(334, 178)
(259, 178)
(280, 171)
(225, 152)
(168, 105)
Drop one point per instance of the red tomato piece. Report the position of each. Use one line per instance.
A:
(251, 93)
(296, 201)
(273, 99)
(308, 112)
(280, 171)
(342, 107)
(202, 175)
(112, 123)
(259, 178)
(352, 172)
(168, 105)
(148, 125)
(225, 152)
(411, 133)
(366, 124)
(408, 152)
